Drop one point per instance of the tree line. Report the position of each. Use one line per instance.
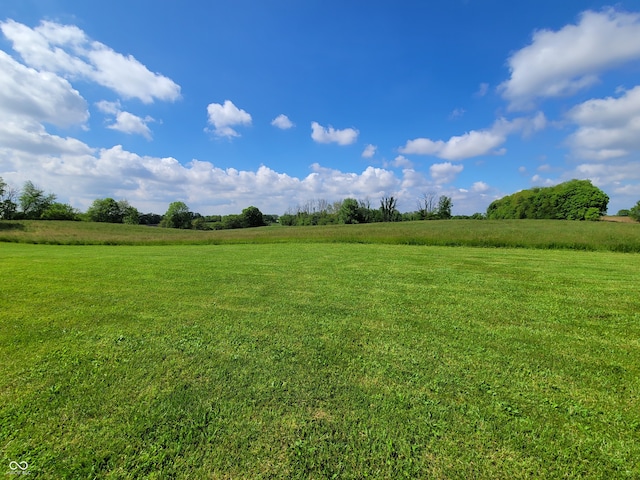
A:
(573, 200)
(352, 210)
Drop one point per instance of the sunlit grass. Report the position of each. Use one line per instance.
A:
(319, 360)
(540, 234)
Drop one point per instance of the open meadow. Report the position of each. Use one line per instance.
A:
(339, 352)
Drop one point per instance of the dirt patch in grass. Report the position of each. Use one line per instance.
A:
(615, 218)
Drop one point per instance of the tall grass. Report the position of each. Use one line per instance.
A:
(540, 234)
(319, 361)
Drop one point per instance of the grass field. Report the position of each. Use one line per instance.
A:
(319, 360)
(539, 234)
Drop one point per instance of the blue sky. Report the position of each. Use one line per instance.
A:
(234, 103)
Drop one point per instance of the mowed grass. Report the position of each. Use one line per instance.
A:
(539, 234)
(319, 361)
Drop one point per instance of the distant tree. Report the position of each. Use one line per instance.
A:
(108, 210)
(349, 211)
(232, 222)
(634, 212)
(270, 218)
(33, 201)
(8, 205)
(60, 211)
(252, 217)
(105, 210)
(199, 223)
(149, 219)
(287, 219)
(572, 200)
(177, 216)
(444, 207)
(427, 206)
(388, 209)
(623, 213)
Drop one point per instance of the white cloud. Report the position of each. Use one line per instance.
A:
(68, 51)
(125, 122)
(607, 128)
(479, 187)
(475, 142)
(369, 151)
(225, 116)
(559, 63)
(282, 122)
(445, 172)
(330, 135)
(402, 161)
(38, 96)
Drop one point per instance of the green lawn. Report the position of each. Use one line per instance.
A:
(319, 360)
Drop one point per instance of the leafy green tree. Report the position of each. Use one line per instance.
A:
(252, 217)
(107, 210)
(444, 207)
(573, 200)
(232, 222)
(177, 216)
(60, 211)
(349, 211)
(7, 205)
(33, 201)
(634, 212)
(623, 213)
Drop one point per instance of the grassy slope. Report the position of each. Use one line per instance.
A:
(545, 234)
(314, 360)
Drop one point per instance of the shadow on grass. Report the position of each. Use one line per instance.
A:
(11, 226)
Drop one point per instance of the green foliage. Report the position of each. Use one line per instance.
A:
(149, 219)
(573, 200)
(178, 216)
(634, 212)
(252, 217)
(60, 211)
(444, 207)
(350, 212)
(108, 210)
(7, 205)
(230, 222)
(623, 213)
(199, 223)
(33, 201)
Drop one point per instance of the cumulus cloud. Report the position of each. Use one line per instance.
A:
(282, 122)
(560, 63)
(28, 100)
(330, 135)
(369, 151)
(445, 172)
(402, 161)
(225, 116)
(126, 122)
(607, 128)
(38, 96)
(479, 187)
(475, 142)
(66, 50)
